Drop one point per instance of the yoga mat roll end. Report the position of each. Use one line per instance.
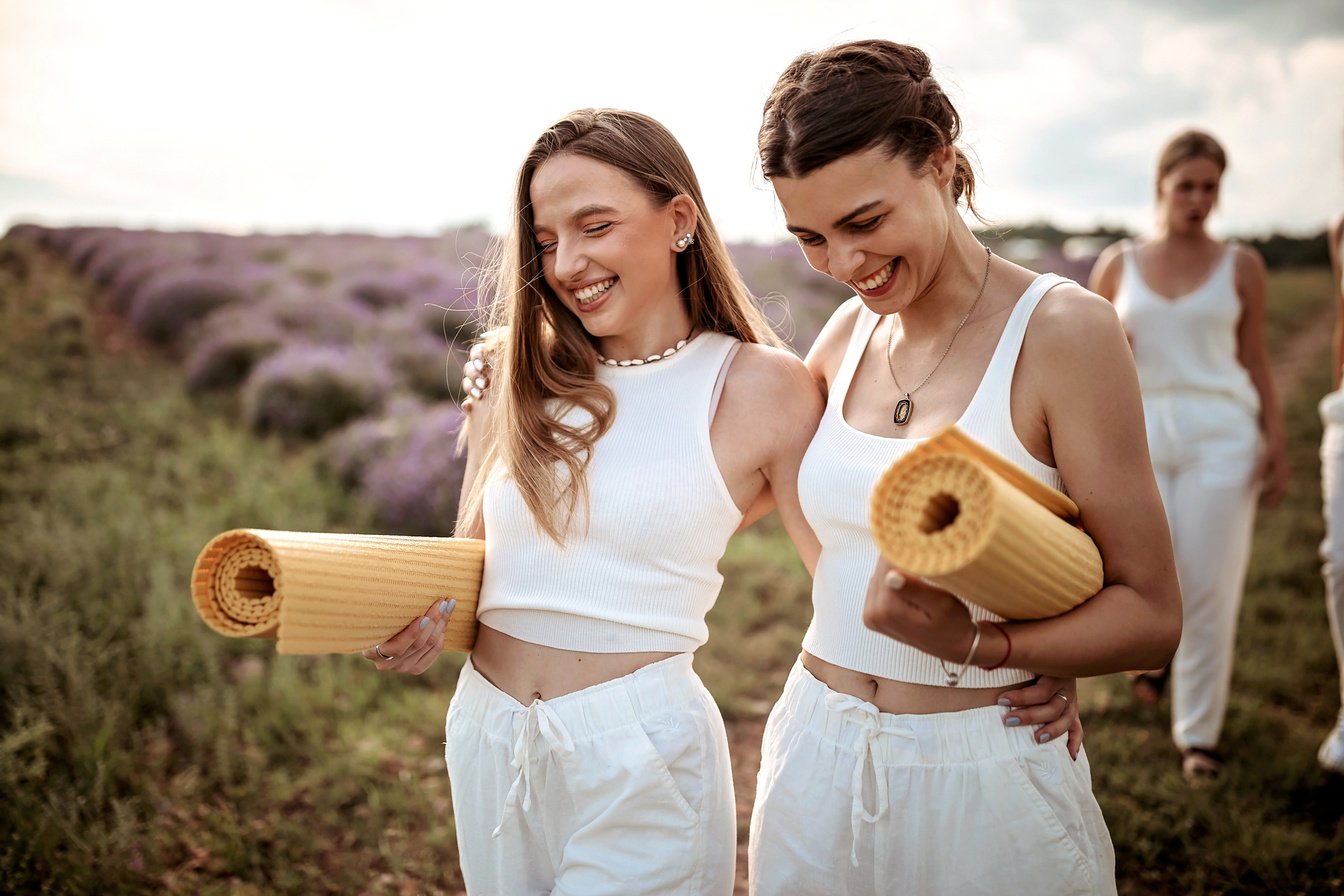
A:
(945, 513)
(319, 593)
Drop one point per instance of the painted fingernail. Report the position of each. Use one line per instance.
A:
(1012, 721)
(424, 621)
(452, 605)
(478, 363)
(443, 606)
(475, 393)
(894, 580)
(480, 382)
(1045, 736)
(1004, 701)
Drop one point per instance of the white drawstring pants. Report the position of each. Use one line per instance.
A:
(1204, 449)
(1332, 547)
(620, 788)
(851, 801)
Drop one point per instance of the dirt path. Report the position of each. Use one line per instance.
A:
(1308, 347)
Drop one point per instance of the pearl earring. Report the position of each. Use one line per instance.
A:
(684, 241)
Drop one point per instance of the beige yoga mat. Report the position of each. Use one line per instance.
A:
(321, 592)
(965, 519)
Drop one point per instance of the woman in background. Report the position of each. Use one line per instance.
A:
(1331, 753)
(1194, 309)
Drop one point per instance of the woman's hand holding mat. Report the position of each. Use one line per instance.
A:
(415, 648)
(334, 593)
(964, 519)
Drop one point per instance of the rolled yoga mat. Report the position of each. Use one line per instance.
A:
(331, 593)
(967, 520)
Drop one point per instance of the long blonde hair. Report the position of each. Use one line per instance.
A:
(544, 362)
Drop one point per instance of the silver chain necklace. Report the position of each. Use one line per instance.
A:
(906, 406)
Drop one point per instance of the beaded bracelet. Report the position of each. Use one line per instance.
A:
(1003, 631)
(954, 676)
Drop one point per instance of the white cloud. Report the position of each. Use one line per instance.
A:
(411, 116)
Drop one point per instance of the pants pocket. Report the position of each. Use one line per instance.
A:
(677, 756)
(1052, 822)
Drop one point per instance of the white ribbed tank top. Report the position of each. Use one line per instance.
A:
(644, 572)
(835, 481)
(1186, 344)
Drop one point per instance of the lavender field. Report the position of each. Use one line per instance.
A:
(350, 340)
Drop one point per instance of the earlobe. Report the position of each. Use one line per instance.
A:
(945, 164)
(685, 219)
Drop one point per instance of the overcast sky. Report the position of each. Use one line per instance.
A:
(410, 116)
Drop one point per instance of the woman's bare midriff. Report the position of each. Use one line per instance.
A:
(527, 671)
(899, 696)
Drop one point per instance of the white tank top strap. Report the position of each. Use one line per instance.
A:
(727, 362)
(997, 383)
(1129, 259)
(865, 323)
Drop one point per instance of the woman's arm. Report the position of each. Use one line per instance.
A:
(1272, 469)
(765, 420)
(1077, 367)
(415, 648)
(1105, 277)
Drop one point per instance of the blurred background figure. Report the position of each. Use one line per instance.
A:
(1193, 307)
(1331, 754)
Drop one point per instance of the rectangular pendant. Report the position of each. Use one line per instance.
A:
(901, 415)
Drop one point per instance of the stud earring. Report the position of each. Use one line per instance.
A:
(685, 241)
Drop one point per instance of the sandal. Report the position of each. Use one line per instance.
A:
(1200, 765)
(1149, 686)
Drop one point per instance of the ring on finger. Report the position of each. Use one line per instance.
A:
(1060, 695)
(378, 649)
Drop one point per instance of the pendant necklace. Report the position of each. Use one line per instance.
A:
(906, 406)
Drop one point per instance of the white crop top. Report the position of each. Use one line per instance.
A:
(1188, 343)
(644, 572)
(835, 481)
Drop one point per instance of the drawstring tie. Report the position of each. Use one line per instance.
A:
(539, 723)
(869, 719)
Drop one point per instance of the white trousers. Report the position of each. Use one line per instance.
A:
(851, 801)
(620, 788)
(1332, 547)
(1204, 449)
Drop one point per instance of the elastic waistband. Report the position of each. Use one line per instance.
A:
(587, 714)
(968, 735)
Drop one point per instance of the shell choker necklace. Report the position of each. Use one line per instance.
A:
(640, 362)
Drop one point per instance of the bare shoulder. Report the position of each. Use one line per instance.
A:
(1249, 260)
(1069, 312)
(1111, 255)
(773, 378)
(824, 357)
(1106, 269)
(1250, 272)
(1075, 329)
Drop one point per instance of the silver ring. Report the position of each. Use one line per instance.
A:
(1059, 694)
(378, 649)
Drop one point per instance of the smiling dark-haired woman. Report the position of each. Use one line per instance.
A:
(886, 765)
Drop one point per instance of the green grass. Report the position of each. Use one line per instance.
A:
(142, 753)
